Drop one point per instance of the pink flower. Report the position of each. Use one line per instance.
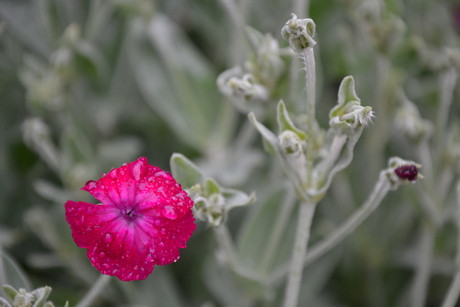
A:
(143, 219)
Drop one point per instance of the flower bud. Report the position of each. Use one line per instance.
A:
(247, 89)
(299, 33)
(290, 143)
(402, 171)
(349, 114)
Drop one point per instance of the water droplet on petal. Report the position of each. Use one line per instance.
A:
(105, 265)
(163, 260)
(149, 258)
(113, 173)
(130, 275)
(136, 169)
(157, 222)
(163, 231)
(101, 254)
(161, 244)
(114, 271)
(136, 267)
(164, 175)
(108, 238)
(142, 185)
(90, 185)
(169, 212)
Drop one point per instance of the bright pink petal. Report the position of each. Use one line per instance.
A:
(144, 218)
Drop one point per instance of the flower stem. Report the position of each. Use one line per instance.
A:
(310, 87)
(381, 188)
(278, 229)
(225, 243)
(307, 210)
(94, 292)
(301, 7)
(454, 290)
(422, 275)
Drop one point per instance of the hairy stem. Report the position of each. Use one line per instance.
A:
(451, 297)
(276, 234)
(310, 87)
(302, 236)
(381, 189)
(301, 7)
(423, 268)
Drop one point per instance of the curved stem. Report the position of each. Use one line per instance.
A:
(381, 188)
(422, 275)
(454, 290)
(278, 230)
(298, 253)
(94, 292)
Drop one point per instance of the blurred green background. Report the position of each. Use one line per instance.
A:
(87, 85)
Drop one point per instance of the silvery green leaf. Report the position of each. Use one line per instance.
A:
(271, 143)
(185, 171)
(236, 198)
(10, 291)
(210, 187)
(285, 122)
(40, 296)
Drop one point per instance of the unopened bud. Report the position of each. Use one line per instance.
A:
(299, 33)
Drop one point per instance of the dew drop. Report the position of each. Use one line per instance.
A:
(113, 173)
(157, 222)
(142, 185)
(161, 244)
(136, 170)
(163, 231)
(90, 185)
(105, 265)
(101, 254)
(163, 260)
(114, 271)
(169, 212)
(164, 175)
(136, 268)
(98, 194)
(108, 238)
(130, 275)
(149, 258)
(82, 218)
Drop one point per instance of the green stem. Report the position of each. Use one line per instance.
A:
(447, 82)
(301, 7)
(381, 189)
(454, 290)
(225, 242)
(278, 230)
(310, 87)
(94, 292)
(423, 268)
(302, 236)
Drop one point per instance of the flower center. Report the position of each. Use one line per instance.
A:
(129, 213)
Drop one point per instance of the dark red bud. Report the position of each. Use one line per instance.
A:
(407, 172)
